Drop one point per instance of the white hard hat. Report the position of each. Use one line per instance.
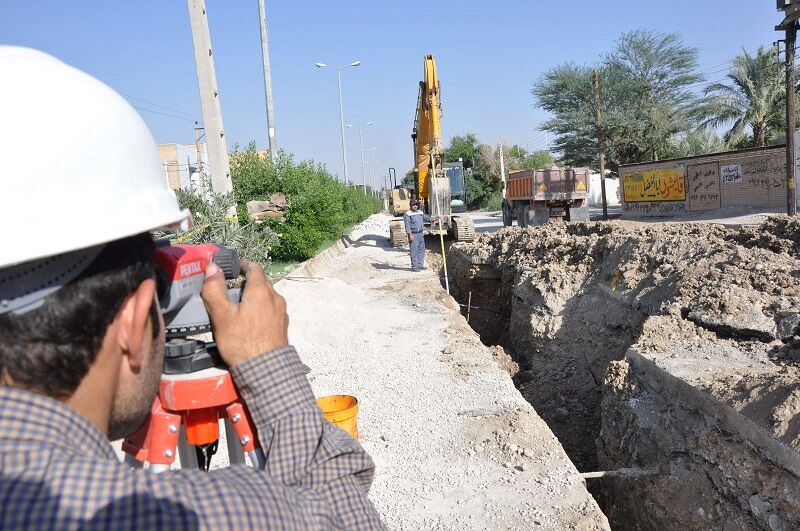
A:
(79, 166)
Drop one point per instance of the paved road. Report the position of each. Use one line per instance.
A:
(491, 221)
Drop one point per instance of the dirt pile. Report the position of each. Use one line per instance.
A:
(565, 300)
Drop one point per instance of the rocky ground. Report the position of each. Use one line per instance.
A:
(718, 306)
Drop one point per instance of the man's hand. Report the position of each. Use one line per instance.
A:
(410, 237)
(257, 324)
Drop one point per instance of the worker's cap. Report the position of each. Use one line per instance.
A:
(413, 202)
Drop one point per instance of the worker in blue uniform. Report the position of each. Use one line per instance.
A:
(414, 220)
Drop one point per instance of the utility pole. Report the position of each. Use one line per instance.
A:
(791, 163)
(209, 99)
(601, 143)
(271, 138)
(502, 168)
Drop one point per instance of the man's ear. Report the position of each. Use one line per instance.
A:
(133, 318)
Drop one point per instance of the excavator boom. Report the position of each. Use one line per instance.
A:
(432, 183)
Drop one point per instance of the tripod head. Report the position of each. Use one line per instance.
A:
(180, 272)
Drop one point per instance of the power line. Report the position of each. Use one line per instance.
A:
(156, 105)
(164, 114)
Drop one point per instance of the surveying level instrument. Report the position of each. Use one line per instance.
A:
(196, 388)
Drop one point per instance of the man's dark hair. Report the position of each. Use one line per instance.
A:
(50, 349)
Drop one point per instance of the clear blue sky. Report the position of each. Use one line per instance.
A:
(488, 53)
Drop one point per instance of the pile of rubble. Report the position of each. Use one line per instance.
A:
(274, 207)
(714, 308)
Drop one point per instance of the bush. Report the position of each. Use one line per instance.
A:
(479, 193)
(213, 224)
(320, 208)
(495, 202)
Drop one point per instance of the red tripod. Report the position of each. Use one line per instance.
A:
(194, 402)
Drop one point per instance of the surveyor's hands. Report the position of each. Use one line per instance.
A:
(410, 237)
(256, 324)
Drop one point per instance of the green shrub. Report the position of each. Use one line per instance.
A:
(495, 202)
(320, 208)
(213, 224)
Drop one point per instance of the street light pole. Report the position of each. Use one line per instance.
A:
(341, 122)
(341, 110)
(361, 150)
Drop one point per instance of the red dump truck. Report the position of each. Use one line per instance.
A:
(534, 196)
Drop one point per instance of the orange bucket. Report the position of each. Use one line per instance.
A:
(341, 410)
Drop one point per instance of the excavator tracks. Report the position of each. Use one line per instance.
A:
(463, 229)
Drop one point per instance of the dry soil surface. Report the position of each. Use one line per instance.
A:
(580, 294)
(456, 446)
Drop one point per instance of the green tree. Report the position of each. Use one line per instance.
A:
(518, 158)
(646, 100)
(659, 70)
(481, 180)
(698, 142)
(464, 147)
(753, 97)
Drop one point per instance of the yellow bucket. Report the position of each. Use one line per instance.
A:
(341, 410)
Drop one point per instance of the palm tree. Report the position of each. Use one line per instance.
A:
(752, 97)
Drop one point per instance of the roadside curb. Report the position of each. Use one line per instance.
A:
(310, 267)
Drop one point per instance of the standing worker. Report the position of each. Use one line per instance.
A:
(415, 220)
(82, 336)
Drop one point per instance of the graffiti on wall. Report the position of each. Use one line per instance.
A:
(654, 209)
(764, 174)
(731, 173)
(703, 183)
(665, 184)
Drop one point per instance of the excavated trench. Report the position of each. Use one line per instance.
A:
(668, 349)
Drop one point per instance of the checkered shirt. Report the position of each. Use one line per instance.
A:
(57, 471)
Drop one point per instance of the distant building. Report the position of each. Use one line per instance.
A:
(181, 168)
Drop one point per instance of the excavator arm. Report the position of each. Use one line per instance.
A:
(433, 184)
(427, 135)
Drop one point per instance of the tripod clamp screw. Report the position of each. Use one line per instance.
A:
(237, 417)
(245, 440)
(169, 453)
(173, 428)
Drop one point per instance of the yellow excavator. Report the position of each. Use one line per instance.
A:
(431, 183)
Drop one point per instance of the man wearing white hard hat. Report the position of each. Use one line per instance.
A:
(82, 337)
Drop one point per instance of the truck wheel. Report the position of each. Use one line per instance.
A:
(397, 234)
(522, 215)
(508, 218)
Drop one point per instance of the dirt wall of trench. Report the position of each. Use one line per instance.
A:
(714, 309)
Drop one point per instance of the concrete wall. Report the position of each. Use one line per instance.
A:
(745, 178)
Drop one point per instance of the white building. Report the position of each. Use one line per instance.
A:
(595, 192)
(181, 169)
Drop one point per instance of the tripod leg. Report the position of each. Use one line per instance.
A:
(245, 434)
(235, 452)
(257, 458)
